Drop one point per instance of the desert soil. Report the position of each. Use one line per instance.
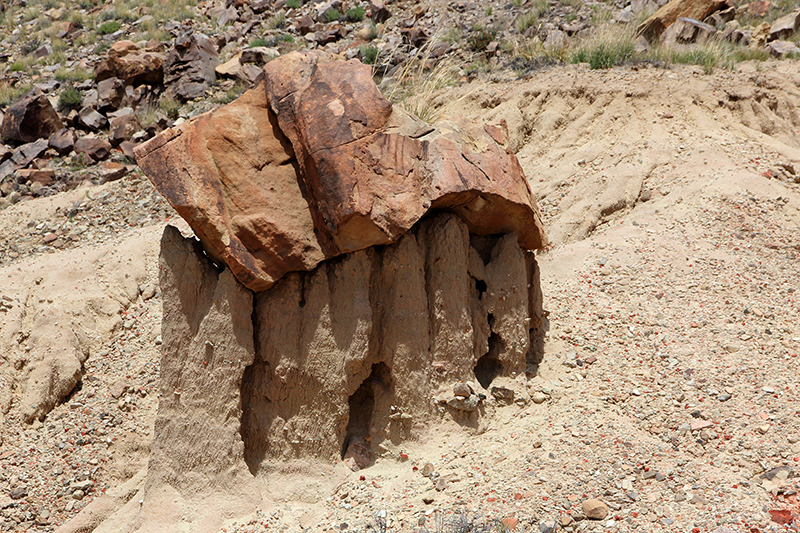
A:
(669, 385)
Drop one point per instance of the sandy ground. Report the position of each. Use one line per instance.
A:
(669, 383)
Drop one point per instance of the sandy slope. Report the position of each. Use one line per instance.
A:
(674, 270)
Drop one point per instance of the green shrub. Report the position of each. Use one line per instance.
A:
(480, 38)
(74, 74)
(355, 14)
(109, 27)
(18, 66)
(70, 98)
(602, 14)
(373, 32)
(231, 94)
(530, 54)
(125, 15)
(604, 54)
(30, 46)
(369, 54)
(56, 58)
(59, 45)
(526, 20)
(261, 41)
(707, 58)
(101, 49)
(741, 53)
(293, 4)
(452, 36)
(30, 14)
(530, 17)
(76, 17)
(170, 106)
(271, 42)
(10, 93)
(332, 15)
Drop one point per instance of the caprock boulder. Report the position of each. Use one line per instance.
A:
(314, 162)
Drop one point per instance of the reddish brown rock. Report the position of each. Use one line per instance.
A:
(45, 176)
(5, 152)
(780, 49)
(30, 119)
(259, 55)
(122, 128)
(369, 178)
(237, 69)
(595, 509)
(110, 93)
(127, 149)
(304, 25)
(315, 162)
(132, 65)
(67, 29)
(190, 66)
(686, 31)
(653, 27)
(720, 18)
(247, 190)
(758, 8)
(109, 171)
(230, 68)
(416, 37)
(260, 6)
(785, 26)
(62, 141)
(378, 11)
(91, 119)
(96, 149)
(22, 156)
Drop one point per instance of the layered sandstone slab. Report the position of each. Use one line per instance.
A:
(314, 162)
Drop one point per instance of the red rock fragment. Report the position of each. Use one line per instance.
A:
(781, 516)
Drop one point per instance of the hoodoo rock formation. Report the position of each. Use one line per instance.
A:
(359, 274)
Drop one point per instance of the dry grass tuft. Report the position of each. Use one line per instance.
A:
(420, 79)
(612, 45)
(11, 93)
(605, 48)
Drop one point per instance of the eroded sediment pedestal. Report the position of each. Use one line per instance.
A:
(363, 347)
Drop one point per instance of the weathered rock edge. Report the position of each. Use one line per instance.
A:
(314, 162)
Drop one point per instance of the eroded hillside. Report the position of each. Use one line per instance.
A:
(668, 386)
